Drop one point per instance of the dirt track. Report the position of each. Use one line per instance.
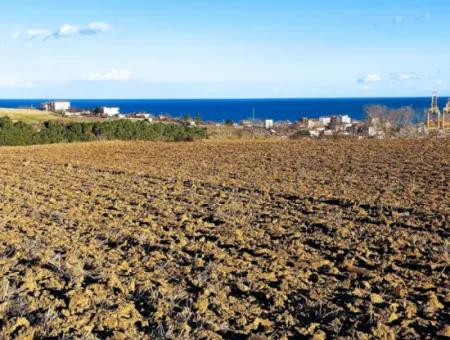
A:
(226, 239)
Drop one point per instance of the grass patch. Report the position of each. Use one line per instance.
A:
(29, 116)
(34, 117)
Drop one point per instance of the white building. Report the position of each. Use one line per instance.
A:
(109, 111)
(147, 116)
(325, 121)
(56, 106)
(268, 124)
(143, 115)
(246, 123)
(313, 123)
(346, 119)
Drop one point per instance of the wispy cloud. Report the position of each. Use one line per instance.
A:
(38, 33)
(92, 28)
(403, 76)
(370, 78)
(401, 19)
(66, 30)
(112, 75)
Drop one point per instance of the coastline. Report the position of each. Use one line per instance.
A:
(219, 110)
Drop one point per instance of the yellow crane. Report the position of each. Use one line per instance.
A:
(434, 112)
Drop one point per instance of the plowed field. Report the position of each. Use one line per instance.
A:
(304, 239)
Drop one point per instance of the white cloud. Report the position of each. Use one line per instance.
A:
(115, 75)
(370, 78)
(401, 19)
(96, 27)
(37, 33)
(92, 28)
(66, 30)
(403, 76)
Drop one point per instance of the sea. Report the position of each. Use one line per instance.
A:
(219, 110)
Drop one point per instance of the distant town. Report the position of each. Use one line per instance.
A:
(381, 122)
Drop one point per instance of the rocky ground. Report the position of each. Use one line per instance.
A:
(295, 239)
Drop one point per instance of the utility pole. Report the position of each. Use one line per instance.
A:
(253, 122)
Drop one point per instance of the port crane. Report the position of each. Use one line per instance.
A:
(445, 113)
(434, 112)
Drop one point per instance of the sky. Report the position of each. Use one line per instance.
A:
(223, 48)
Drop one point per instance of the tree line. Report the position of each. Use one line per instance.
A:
(20, 133)
(397, 118)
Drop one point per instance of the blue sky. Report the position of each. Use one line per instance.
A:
(223, 49)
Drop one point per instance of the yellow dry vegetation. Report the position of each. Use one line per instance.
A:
(225, 239)
(31, 116)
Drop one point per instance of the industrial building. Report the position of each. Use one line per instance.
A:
(108, 111)
(56, 106)
(437, 119)
(446, 114)
(268, 124)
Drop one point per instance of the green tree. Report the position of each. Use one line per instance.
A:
(55, 132)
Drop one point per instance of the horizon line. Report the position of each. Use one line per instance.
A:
(225, 98)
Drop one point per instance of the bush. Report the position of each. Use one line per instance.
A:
(55, 132)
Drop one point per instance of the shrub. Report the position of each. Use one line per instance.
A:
(55, 132)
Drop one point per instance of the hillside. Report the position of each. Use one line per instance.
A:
(32, 116)
(28, 115)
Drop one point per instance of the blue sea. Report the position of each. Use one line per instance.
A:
(237, 109)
